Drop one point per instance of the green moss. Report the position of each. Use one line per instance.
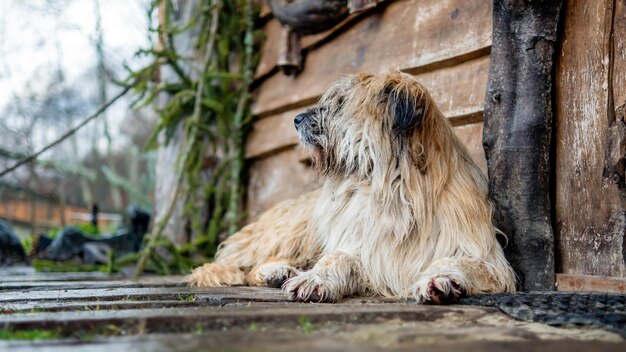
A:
(48, 266)
(31, 334)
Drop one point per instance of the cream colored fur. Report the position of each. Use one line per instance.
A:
(403, 211)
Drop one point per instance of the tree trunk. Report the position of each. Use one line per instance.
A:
(517, 134)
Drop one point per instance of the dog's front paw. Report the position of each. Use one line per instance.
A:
(438, 289)
(310, 287)
(216, 275)
(272, 274)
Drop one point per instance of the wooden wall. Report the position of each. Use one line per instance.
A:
(444, 43)
(591, 140)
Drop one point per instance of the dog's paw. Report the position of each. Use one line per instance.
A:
(272, 274)
(310, 287)
(438, 289)
(216, 275)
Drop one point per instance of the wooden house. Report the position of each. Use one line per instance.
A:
(446, 44)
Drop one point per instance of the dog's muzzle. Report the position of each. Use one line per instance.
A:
(307, 128)
(297, 121)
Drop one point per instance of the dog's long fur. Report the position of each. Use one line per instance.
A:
(403, 211)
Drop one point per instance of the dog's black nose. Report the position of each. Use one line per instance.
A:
(299, 118)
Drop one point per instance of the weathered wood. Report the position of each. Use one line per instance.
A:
(177, 320)
(458, 90)
(77, 276)
(269, 49)
(618, 56)
(43, 283)
(217, 295)
(517, 135)
(413, 34)
(78, 305)
(566, 282)
(256, 318)
(272, 133)
(309, 16)
(471, 136)
(591, 140)
(391, 325)
(281, 176)
(405, 340)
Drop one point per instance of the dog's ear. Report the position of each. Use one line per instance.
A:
(407, 110)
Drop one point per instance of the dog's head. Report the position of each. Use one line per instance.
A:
(367, 125)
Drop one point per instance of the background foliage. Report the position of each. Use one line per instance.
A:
(209, 96)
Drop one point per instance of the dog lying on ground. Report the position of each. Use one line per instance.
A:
(403, 211)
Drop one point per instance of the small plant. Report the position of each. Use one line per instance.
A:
(254, 326)
(305, 325)
(189, 298)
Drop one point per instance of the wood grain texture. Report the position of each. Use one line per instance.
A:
(403, 35)
(275, 178)
(458, 90)
(587, 283)
(472, 137)
(618, 56)
(590, 198)
(518, 132)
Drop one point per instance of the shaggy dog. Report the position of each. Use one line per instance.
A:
(403, 211)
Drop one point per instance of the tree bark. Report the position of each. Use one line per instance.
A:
(518, 132)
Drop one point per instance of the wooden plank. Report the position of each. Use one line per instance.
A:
(590, 200)
(279, 177)
(147, 281)
(215, 295)
(176, 320)
(272, 133)
(618, 57)
(472, 137)
(441, 338)
(67, 276)
(404, 35)
(269, 49)
(459, 91)
(78, 305)
(566, 282)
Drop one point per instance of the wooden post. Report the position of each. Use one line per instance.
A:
(517, 134)
(591, 140)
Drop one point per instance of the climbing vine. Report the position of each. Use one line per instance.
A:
(207, 95)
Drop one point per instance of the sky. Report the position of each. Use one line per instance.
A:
(36, 35)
